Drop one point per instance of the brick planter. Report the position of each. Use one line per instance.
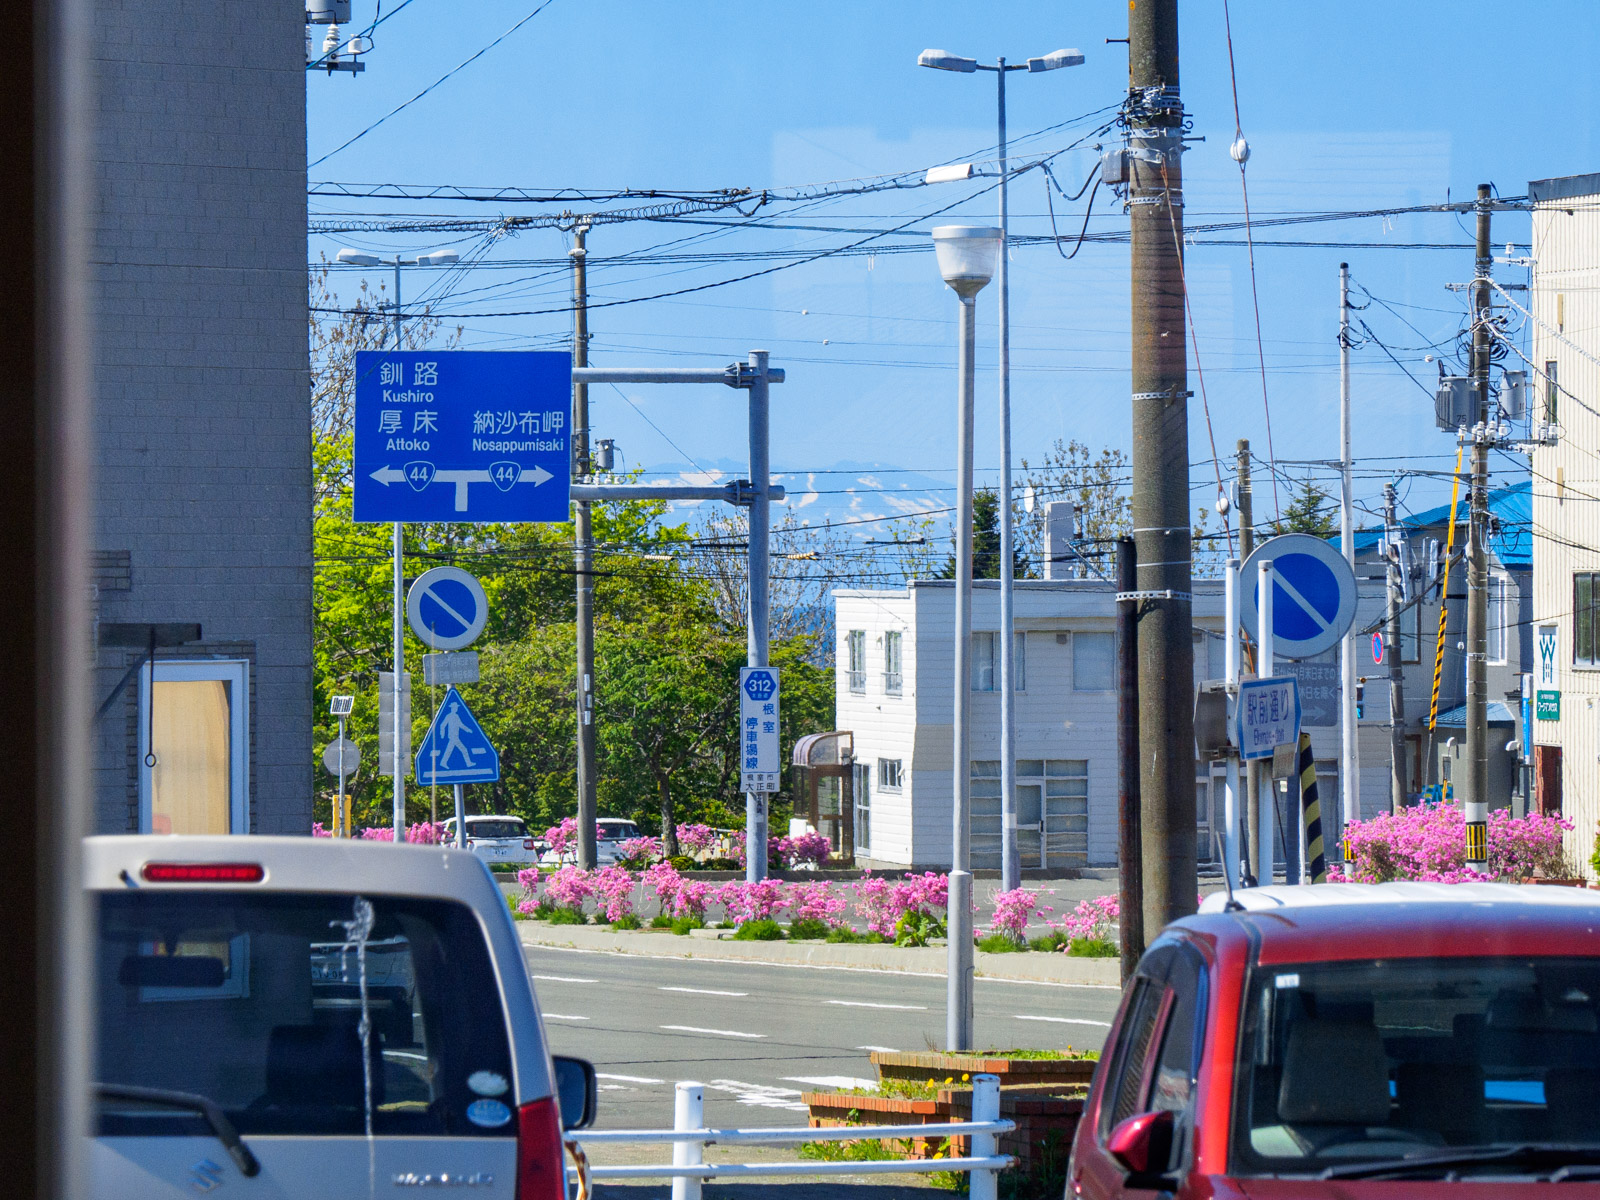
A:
(1043, 1121)
(936, 1067)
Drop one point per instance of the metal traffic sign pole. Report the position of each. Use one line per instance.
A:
(1266, 796)
(341, 759)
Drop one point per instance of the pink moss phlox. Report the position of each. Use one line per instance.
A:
(743, 901)
(613, 891)
(691, 899)
(1093, 919)
(816, 900)
(1428, 843)
(663, 879)
(569, 887)
(1012, 911)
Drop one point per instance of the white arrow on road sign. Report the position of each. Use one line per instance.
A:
(456, 749)
(447, 608)
(1313, 598)
(533, 475)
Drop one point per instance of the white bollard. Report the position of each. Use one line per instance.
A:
(985, 1107)
(688, 1112)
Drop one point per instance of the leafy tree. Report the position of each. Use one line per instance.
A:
(1098, 483)
(986, 541)
(1311, 511)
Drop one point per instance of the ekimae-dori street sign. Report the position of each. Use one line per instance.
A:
(1313, 596)
(1266, 716)
(447, 608)
(462, 435)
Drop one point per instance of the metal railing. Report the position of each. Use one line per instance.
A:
(689, 1137)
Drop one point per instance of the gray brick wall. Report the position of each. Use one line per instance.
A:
(203, 416)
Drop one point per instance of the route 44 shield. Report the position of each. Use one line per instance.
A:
(758, 729)
(456, 749)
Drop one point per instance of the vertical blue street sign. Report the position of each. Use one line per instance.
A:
(462, 435)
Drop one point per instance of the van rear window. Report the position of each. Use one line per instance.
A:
(254, 1001)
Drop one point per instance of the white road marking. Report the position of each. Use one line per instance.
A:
(563, 979)
(869, 1004)
(713, 1032)
(1063, 1020)
(563, 1017)
(628, 1078)
(881, 1049)
(760, 1096)
(701, 991)
(833, 1081)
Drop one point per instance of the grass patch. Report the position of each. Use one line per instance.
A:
(682, 925)
(1038, 1055)
(1092, 948)
(516, 913)
(1000, 943)
(763, 929)
(843, 933)
(1052, 942)
(567, 916)
(628, 921)
(863, 1150)
(807, 929)
(661, 921)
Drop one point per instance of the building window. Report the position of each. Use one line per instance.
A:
(891, 662)
(1501, 617)
(1410, 634)
(1094, 662)
(1585, 616)
(889, 774)
(856, 644)
(1052, 806)
(1551, 391)
(194, 747)
(986, 662)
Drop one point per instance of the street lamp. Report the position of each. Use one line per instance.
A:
(439, 258)
(967, 256)
(943, 60)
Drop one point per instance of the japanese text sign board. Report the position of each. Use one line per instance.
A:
(1547, 704)
(1267, 715)
(1313, 594)
(758, 729)
(456, 749)
(462, 435)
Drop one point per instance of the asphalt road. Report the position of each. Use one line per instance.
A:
(756, 1035)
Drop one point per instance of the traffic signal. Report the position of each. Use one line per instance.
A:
(1361, 694)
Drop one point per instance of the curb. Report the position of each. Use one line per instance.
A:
(1030, 967)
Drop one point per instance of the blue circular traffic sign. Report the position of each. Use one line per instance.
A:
(1377, 649)
(1313, 597)
(447, 608)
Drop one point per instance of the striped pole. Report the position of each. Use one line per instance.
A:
(1444, 593)
(1311, 813)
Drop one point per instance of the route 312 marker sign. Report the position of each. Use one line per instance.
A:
(758, 729)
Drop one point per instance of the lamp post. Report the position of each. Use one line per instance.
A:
(967, 257)
(940, 60)
(438, 258)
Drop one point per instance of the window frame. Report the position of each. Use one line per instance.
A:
(236, 673)
(898, 783)
(1498, 631)
(856, 661)
(1552, 390)
(1111, 686)
(893, 662)
(1583, 619)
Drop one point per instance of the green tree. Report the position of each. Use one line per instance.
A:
(1097, 483)
(1311, 511)
(986, 541)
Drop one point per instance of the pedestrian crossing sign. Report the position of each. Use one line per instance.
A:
(456, 749)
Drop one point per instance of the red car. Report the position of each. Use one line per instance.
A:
(1346, 1040)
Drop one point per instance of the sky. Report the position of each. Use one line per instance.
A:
(1350, 107)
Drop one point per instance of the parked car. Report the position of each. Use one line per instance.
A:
(609, 834)
(496, 839)
(1328, 1041)
(310, 1017)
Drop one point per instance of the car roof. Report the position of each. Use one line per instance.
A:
(1346, 921)
(297, 864)
(615, 821)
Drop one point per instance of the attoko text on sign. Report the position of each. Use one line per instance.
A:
(758, 729)
(462, 435)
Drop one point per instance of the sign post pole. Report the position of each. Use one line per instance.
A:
(399, 677)
(341, 825)
(1230, 802)
(1266, 796)
(461, 820)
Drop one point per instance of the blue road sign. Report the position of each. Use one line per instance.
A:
(456, 749)
(758, 730)
(447, 608)
(1313, 598)
(1266, 716)
(462, 435)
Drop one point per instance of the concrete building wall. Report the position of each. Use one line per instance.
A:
(1566, 483)
(203, 468)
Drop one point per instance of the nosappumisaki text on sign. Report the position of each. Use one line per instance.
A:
(1268, 716)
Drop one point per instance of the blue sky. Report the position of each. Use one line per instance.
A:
(1355, 106)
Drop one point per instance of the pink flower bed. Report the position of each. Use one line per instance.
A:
(695, 838)
(422, 833)
(613, 892)
(1013, 910)
(743, 901)
(1094, 919)
(816, 900)
(1429, 843)
(880, 902)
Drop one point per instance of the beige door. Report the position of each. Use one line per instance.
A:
(193, 744)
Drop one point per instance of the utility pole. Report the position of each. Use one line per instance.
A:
(1010, 865)
(583, 557)
(1247, 545)
(1161, 515)
(759, 532)
(1475, 796)
(1392, 654)
(1349, 807)
(1130, 852)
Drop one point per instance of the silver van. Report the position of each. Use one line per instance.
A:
(298, 1017)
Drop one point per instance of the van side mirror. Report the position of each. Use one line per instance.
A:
(577, 1091)
(1143, 1145)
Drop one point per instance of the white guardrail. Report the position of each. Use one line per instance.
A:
(689, 1138)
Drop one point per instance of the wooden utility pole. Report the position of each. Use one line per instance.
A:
(1393, 654)
(1130, 850)
(1475, 796)
(1247, 546)
(583, 556)
(1154, 115)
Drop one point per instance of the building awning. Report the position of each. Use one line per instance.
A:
(825, 749)
(1499, 714)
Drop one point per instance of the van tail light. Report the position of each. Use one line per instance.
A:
(541, 1167)
(527, 844)
(192, 872)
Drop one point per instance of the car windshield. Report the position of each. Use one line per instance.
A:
(253, 1000)
(505, 827)
(1344, 1062)
(616, 833)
